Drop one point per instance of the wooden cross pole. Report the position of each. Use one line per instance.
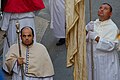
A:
(92, 61)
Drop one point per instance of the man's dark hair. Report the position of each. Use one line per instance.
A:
(108, 5)
(27, 27)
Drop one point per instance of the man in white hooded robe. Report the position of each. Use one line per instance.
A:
(21, 11)
(35, 59)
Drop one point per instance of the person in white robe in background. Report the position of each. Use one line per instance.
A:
(103, 32)
(35, 59)
(9, 26)
(57, 13)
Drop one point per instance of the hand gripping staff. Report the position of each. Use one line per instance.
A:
(18, 33)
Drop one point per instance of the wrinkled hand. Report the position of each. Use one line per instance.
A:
(20, 60)
(92, 35)
(90, 26)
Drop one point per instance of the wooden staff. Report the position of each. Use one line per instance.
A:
(18, 33)
(92, 61)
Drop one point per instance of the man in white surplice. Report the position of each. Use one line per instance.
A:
(57, 13)
(34, 57)
(103, 31)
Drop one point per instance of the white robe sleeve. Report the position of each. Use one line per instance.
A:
(16, 68)
(105, 45)
(5, 21)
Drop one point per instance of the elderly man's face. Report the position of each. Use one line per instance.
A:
(27, 37)
(104, 12)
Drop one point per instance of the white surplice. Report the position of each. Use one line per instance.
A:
(57, 13)
(105, 56)
(9, 25)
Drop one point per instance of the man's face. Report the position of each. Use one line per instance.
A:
(104, 12)
(27, 37)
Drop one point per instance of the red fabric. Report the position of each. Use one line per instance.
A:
(20, 6)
